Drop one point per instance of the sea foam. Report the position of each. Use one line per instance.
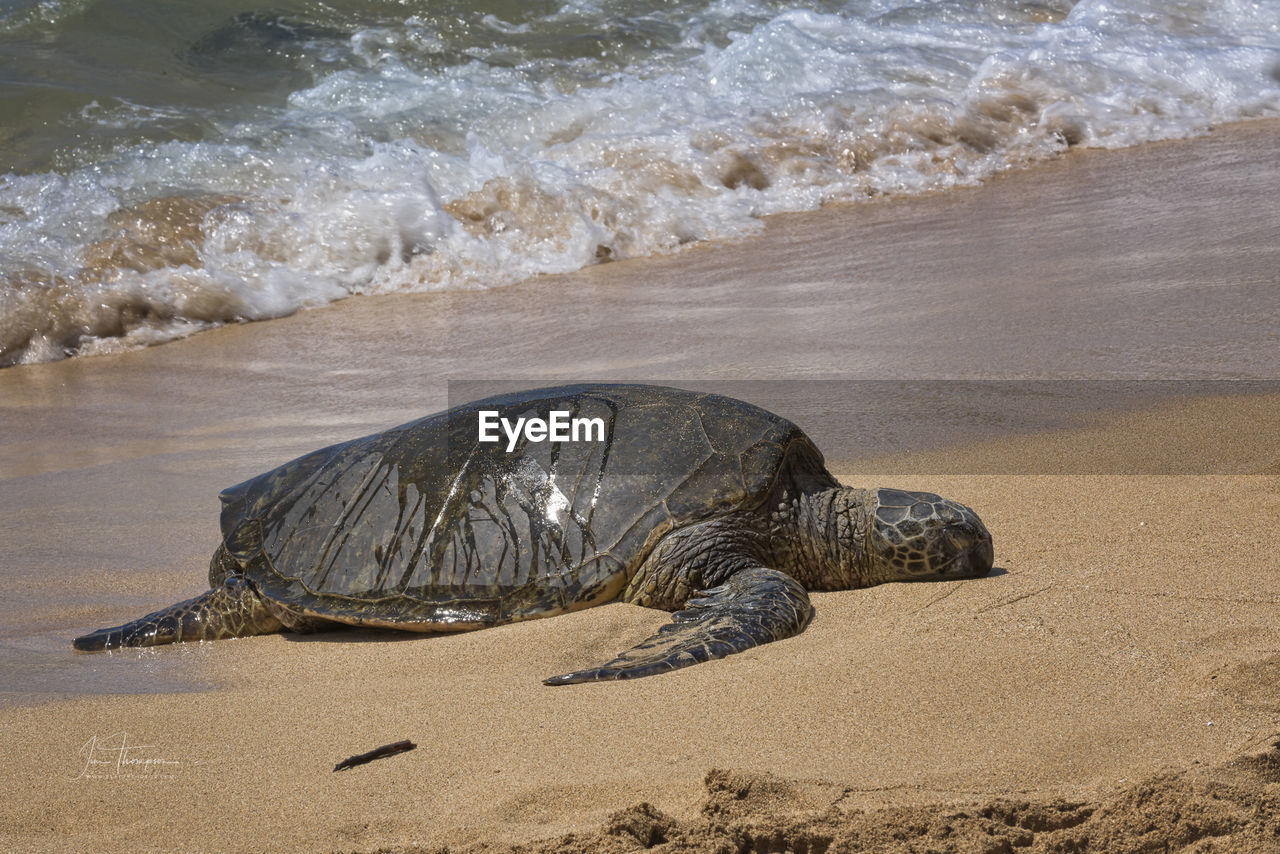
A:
(477, 151)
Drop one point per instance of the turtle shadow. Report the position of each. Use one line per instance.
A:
(339, 633)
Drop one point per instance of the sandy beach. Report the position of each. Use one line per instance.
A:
(1084, 352)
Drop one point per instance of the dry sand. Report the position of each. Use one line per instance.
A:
(1128, 636)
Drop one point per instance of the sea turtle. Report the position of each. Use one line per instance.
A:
(694, 503)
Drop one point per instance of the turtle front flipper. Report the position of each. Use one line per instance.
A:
(755, 606)
(231, 610)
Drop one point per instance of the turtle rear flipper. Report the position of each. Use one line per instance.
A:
(232, 610)
(755, 606)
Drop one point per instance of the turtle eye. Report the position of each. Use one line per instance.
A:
(959, 537)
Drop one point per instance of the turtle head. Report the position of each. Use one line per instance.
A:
(919, 536)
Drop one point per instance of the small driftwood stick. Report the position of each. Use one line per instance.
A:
(377, 753)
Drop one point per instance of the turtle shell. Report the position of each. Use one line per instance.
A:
(425, 527)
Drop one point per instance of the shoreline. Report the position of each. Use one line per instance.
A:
(1235, 158)
(1130, 626)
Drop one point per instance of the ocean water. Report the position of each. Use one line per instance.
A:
(166, 167)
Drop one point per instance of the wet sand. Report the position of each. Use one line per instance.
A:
(1129, 630)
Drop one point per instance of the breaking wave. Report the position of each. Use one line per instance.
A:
(304, 156)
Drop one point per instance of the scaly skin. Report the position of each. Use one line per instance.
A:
(820, 539)
(754, 606)
(231, 610)
(758, 566)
